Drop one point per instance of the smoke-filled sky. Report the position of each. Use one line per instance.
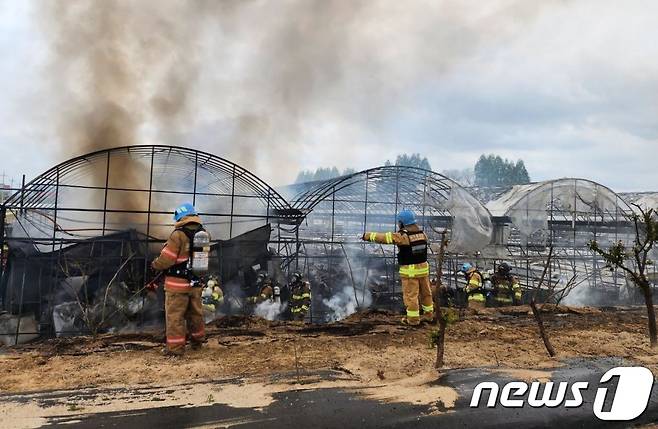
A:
(571, 87)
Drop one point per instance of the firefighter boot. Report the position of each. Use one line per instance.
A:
(427, 317)
(410, 321)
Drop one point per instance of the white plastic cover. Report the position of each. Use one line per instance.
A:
(471, 228)
(530, 207)
(647, 201)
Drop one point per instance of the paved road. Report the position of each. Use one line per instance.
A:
(330, 408)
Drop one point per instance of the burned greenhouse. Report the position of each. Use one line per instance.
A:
(82, 235)
(85, 231)
(351, 274)
(562, 217)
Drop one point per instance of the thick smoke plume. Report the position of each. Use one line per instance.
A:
(253, 81)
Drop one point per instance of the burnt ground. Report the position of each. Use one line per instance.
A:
(252, 371)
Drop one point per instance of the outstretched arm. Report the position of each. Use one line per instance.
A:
(383, 237)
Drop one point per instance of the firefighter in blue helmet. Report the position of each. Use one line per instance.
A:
(414, 270)
(184, 259)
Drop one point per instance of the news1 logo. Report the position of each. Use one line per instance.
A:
(630, 400)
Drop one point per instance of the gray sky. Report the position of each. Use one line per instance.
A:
(571, 87)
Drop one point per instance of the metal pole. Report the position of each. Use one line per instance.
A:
(148, 216)
(297, 247)
(330, 264)
(3, 218)
(595, 267)
(333, 215)
(395, 216)
(196, 173)
(107, 184)
(552, 204)
(365, 204)
(4, 257)
(267, 212)
(55, 213)
(20, 308)
(23, 192)
(230, 233)
(148, 231)
(54, 237)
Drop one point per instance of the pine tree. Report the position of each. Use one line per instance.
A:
(493, 170)
(414, 160)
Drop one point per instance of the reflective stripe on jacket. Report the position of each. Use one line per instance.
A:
(400, 239)
(415, 270)
(506, 288)
(176, 251)
(474, 287)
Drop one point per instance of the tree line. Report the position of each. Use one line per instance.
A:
(490, 170)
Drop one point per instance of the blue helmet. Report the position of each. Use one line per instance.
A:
(466, 267)
(407, 217)
(183, 210)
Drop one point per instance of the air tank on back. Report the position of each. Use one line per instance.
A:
(200, 253)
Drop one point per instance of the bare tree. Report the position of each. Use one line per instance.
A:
(635, 259)
(89, 312)
(553, 293)
(438, 337)
(536, 312)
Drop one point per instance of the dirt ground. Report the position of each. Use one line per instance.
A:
(368, 347)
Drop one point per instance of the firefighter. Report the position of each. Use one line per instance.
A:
(183, 308)
(212, 296)
(300, 297)
(507, 290)
(414, 269)
(265, 289)
(488, 288)
(474, 286)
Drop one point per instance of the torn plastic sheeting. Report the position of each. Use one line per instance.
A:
(26, 327)
(471, 228)
(67, 318)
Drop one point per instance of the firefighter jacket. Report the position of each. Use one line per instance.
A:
(266, 293)
(412, 249)
(212, 298)
(474, 286)
(177, 251)
(300, 298)
(507, 289)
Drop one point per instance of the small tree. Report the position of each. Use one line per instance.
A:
(437, 337)
(634, 260)
(552, 293)
(94, 316)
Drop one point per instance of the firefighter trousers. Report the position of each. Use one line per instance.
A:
(184, 314)
(415, 289)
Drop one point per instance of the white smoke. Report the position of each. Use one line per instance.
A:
(270, 310)
(344, 303)
(235, 298)
(577, 297)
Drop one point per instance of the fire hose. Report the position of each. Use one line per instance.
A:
(153, 284)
